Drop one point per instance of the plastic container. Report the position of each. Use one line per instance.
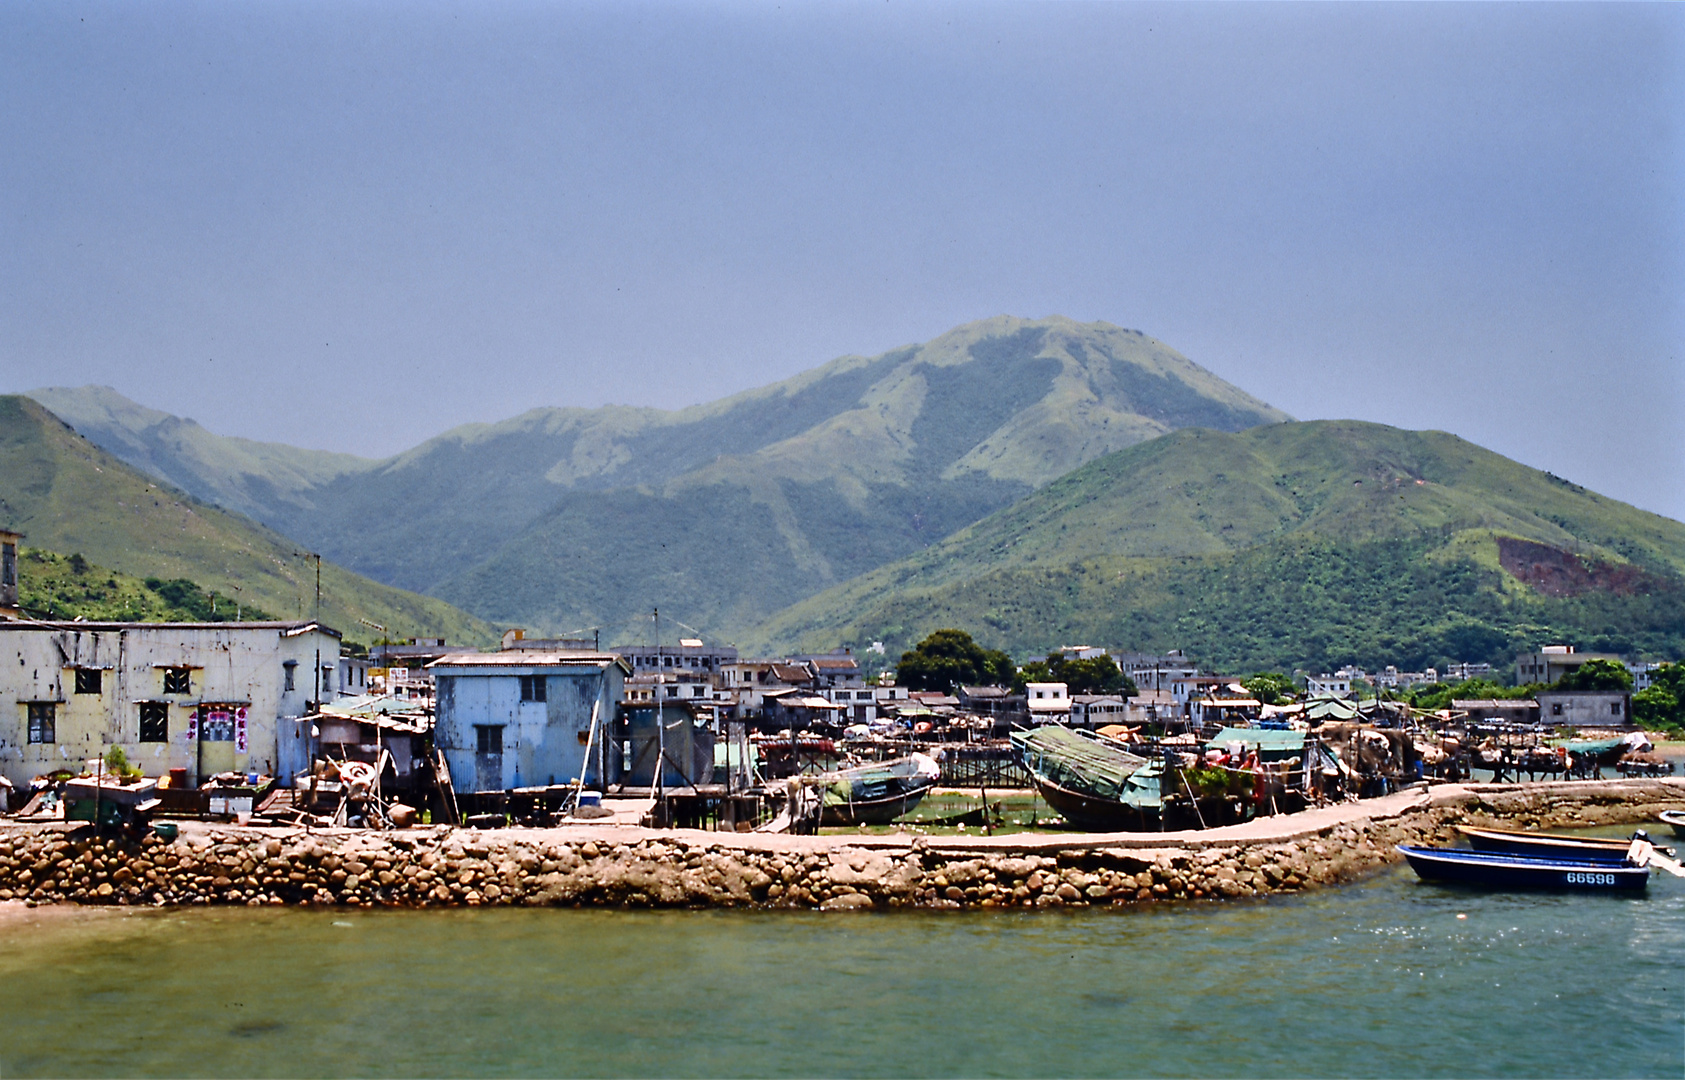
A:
(590, 798)
(166, 830)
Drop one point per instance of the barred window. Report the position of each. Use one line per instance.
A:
(178, 680)
(488, 739)
(41, 722)
(533, 687)
(154, 721)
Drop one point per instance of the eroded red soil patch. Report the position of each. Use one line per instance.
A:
(1555, 572)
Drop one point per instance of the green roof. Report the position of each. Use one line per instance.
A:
(1268, 740)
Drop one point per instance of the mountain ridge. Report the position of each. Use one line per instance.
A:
(815, 478)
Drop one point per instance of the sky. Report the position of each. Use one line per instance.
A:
(354, 225)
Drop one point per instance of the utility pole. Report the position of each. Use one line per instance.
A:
(318, 635)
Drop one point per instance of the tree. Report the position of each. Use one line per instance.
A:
(1097, 675)
(1597, 675)
(1661, 705)
(1440, 696)
(949, 658)
(1270, 687)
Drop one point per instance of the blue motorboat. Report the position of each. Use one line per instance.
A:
(1499, 870)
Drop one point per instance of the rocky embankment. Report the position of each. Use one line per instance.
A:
(627, 867)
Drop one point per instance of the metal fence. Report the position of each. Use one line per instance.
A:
(984, 767)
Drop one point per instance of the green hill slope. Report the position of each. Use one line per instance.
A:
(1295, 544)
(66, 587)
(726, 512)
(69, 496)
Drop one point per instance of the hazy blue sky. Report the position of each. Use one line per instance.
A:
(354, 225)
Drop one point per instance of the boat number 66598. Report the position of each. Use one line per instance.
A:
(1576, 877)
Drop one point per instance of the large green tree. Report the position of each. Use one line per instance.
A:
(1096, 675)
(1597, 675)
(948, 659)
(1271, 687)
(1661, 705)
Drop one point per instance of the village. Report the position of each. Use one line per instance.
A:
(137, 725)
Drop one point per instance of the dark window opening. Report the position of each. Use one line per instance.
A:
(178, 680)
(154, 721)
(41, 726)
(88, 680)
(8, 564)
(488, 740)
(291, 669)
(533, 687)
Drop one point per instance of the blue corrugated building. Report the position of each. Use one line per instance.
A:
(522, 718)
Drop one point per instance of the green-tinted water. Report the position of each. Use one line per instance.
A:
(1382, 978)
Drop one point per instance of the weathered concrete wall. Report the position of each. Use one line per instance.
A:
(584, 865)
(240, 665)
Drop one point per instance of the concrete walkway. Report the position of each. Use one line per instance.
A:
(1282, 828)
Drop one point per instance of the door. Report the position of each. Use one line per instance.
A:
(488, 757)
(216, 741)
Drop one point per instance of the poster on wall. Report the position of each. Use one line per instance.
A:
(193, 726)
(240, 731)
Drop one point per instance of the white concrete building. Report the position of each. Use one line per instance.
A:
(1048, 702)
(207, 697)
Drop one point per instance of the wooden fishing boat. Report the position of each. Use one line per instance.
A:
(875, 794)
(1093, 782)
(1675, 820)
(1544, 846)
(1497, 870)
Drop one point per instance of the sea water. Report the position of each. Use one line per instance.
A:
(1387, 977)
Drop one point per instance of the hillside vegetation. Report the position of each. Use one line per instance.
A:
(66, 587)
(1294, 544)
(723, 513)
(68, 496)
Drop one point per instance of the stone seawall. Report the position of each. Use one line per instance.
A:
(634, 867)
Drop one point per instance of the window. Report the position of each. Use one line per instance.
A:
(1615, 708)
(154, 721)
(533, 687)
(290, 668)
(41, 727)
(1556, 708)
(8, 564)
(488, 739)
(87, 680)
(179, 680)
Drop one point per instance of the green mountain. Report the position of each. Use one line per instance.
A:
(1311, 544)
(68, 496)
(237, 474)
(721, 514)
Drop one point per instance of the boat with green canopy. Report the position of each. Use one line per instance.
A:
(1093, 781)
